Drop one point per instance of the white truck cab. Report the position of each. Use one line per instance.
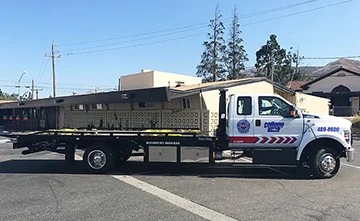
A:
(277, 132)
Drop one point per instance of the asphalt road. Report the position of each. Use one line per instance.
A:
(42, 187)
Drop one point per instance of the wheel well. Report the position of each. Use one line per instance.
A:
(323, 142)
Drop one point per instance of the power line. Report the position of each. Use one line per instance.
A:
(330, 58)
(74, 85)
(297, 13)
(248, 24)
(176, 32)
(272, 10)
(117, 43)
(62, 88)
(201, 25)
(135, 35)
(46, 64)
(49, 78)
(137, 45)
(42, 63)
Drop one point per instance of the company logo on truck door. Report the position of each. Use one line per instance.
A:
(274, 126)
(243, 126)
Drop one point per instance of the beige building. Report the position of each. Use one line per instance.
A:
(147, 101)
(152, 78)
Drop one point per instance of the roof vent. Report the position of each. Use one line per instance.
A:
(179, 83)
(59, 101)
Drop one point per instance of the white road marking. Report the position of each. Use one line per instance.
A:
(170, 197)
(3, 141)
(174, 199)
(77, 157)
(349, 165)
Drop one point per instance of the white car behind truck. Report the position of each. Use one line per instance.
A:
(264, 126)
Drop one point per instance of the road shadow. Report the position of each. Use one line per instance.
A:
(137, 168)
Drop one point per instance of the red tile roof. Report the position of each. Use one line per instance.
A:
(295, 85)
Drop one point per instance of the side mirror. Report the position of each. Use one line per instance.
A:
(293, 112)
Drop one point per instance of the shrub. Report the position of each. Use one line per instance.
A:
(356, 123)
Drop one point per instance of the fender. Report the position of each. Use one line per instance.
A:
(311, 135)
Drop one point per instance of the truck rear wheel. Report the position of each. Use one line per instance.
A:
(98, 159)
(324, 163)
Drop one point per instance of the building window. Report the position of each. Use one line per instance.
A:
(185, 103)
(97, 106)
(244, 106)
(79, 107)
(146, 104)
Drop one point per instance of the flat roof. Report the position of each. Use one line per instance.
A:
(157, 94)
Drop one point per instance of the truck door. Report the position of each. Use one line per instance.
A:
(241, 122)
(274, 125)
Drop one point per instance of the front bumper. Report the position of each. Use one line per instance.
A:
(350, 154)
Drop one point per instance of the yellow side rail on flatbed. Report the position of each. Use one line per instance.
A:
(95, 132)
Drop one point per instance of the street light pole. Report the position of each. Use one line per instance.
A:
(24, 72)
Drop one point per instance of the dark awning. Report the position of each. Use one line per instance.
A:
(129, 96)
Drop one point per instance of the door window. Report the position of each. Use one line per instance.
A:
(274, 106)
(244, 106)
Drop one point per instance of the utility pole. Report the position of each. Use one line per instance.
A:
(37, 92)
(32, 89)
(52, 55)
(272, 65)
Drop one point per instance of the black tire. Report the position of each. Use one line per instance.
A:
(324, 163)
(105, 159)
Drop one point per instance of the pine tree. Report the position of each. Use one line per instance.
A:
(277, 64)
(271, 61)
(235, 54)
(211, 67)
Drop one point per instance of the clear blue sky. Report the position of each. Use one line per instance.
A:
(27, 29)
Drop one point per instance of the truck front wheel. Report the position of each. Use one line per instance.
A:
(98, 159)
(325, 163)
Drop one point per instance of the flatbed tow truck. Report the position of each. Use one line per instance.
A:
(264, 126)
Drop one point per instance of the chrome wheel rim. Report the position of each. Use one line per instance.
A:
(327, 163)
(96, 159)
